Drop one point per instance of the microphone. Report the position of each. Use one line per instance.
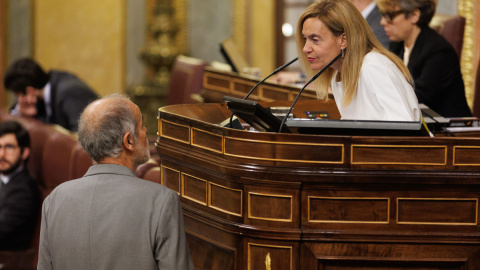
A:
(273, 73)
(303, 88)
(238, 125)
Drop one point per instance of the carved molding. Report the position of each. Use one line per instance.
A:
(466, 9)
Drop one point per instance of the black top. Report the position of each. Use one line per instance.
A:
(435, 68)
(19, 209)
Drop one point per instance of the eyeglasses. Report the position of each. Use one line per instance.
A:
(8, 147)
(389, 16)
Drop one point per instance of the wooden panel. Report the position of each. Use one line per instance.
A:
(356, 263)
(388, 256)
(466, 156)
(200, 227)
(348, 210)
(275, 93)
(275, 256)
(270, 207)
(194, 189)
(307, 94)
(207, 140)
(171, 178)
(399, 154)
(224, 199)
(210, 254)
(241, 87)
(432, 211)
(285, 151)
(175, 132)
(216, 82)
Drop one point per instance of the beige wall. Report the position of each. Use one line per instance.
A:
(477, 36)
(262, 35)
(82, 36)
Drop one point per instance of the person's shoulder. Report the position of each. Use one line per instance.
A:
(430, 33)
(56, 74)
(432, 40)
(23, 178)
(153, 187)
(374, 15)
(66, 83)
(125, 176)
(375, 61)
(375, 57)
(67, 185)
(23, 175)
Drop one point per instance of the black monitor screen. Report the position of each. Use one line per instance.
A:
(255, 115)
(232, 55)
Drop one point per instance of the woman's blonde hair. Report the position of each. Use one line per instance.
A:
(341, 16)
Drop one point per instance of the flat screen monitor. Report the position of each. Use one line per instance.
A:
(232, 55)
(255, 115)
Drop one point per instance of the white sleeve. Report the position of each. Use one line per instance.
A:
(394, 95)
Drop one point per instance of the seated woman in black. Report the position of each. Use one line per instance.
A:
(431, 59)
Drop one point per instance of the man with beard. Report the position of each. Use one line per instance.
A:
(19, 195)
(110, 219)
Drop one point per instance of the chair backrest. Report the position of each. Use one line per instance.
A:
(452, 28)
(20, 260)
(185, 79)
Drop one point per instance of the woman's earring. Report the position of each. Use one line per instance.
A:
(343, 52)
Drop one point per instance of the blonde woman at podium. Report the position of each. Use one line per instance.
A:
(368, 82)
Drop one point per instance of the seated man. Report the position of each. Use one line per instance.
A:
(109, 218)
(57, 97)
(19, 195)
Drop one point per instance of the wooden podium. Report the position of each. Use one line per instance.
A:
(257, 200)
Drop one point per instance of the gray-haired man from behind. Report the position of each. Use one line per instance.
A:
(110, 219)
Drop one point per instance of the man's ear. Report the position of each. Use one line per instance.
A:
(25, 153)
(414, 16)
(128, 141)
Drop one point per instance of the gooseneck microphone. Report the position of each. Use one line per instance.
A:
(273, 73)
(303, 88)
(262, 81)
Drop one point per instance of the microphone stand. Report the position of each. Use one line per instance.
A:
(262, 81)
(303, 88)
(273, 73)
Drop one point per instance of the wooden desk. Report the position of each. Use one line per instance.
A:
(320, 202)
(217, 84)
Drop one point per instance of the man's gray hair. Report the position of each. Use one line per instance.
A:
(101, 133)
